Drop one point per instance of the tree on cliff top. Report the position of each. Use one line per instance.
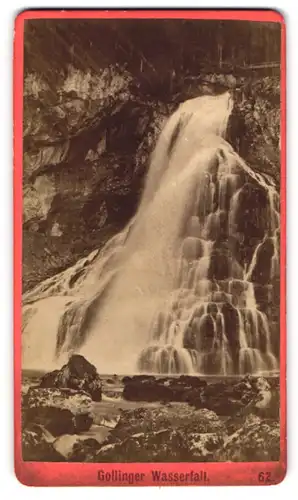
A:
(149, 49)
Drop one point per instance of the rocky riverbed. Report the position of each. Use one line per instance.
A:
(75, 415)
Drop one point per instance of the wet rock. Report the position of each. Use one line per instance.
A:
(192, 248)
(165, 445)
(264, 295)
(64, 444)
(208, 422)
(108, 420)
(257, 396)
(262, 271)
(149, 388)
(77, 374)
(203, 446)
(224, 398)
(111, 381)
(220, 264)
(238, 289)
(255, 441)
(60, 411)
(84, 451)
(173, 415)
(76, 448)
(264, 404)
(204, 333)
(218, 398)
(264, 392)
(266, 401)
(240, 397)
(50, 379)
(37, 445)
(231, 318)
(251, 216)
(112, 394)
(174, 432)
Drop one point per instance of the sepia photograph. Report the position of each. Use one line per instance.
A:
(151, 241)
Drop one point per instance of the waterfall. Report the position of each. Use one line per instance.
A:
(191, 285)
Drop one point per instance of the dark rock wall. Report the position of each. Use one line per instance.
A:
(83, 172)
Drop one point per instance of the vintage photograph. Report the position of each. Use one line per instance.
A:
(151, 241)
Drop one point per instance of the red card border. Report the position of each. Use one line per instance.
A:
(83, 474)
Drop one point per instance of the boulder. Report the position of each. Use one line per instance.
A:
(37, 445)
(241, 397)
(77, 448)
(226, 398)
(179, 416)
(219, 398)
(150, 388)
(266, 401)
(256, 441)
(77, 374)
(259, 395)
(60, 411)
(109, 421)
(203, 446)
(164, 445)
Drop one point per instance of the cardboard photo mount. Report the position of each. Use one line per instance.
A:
(140, 474)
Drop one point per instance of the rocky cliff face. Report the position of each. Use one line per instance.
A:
(86, 143)
(87, 140)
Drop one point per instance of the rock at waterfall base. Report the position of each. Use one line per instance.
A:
(59, 411)
(171, 433)
(231, 420)
(227, 398)
(165, 445)
(77, 374)
(37, 445)
(175, 433)
(76, 448)
(150, 388)
(178, 416)
(256, 441)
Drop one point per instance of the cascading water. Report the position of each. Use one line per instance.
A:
(192, 284)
